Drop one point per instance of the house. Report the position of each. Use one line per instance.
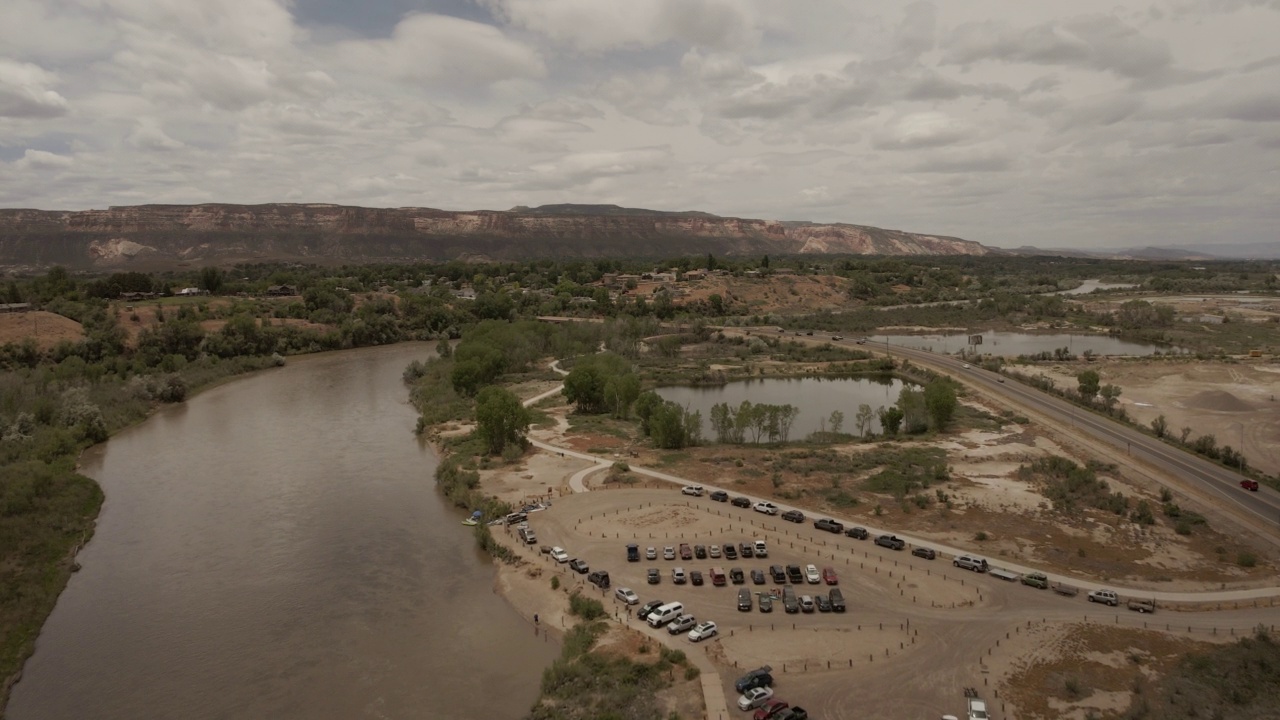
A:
(282, 290)
(465, 294)
(14, 307)
(695, 275)
(184, 292)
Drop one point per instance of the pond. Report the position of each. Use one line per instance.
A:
(1010, 344)
(816, 397)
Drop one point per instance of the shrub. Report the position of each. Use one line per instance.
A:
(585, 607)
(555, 583)
(1246, 559)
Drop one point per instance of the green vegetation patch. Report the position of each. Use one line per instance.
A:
(1072, 487)
(1236, 681)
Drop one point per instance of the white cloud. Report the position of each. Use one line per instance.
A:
(599, 25)
(41, 160)
(25, 92)
(921, 130)
(448, 50)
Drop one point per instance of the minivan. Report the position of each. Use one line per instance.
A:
(665, 614)
(969, 562)
(744, 600)
(717, 576)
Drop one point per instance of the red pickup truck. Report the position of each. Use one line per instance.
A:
(1249, 485)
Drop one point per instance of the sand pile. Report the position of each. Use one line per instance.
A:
(1217, 401)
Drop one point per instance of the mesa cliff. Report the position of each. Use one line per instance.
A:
(151, 237)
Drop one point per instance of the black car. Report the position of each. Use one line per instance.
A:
(730, 552)
(579, 566)
(794, 516)
(824, 605)
(695, 577)
(719, 496)
(700, 552)
(836, 600)
(655, 577)
(746, 551)
(736, 577)
(744, 600)
(759, 677)
(757, 576)
(926, 553)
(599, 578)
(795, 574)
(829, 525)
(742, 502)
(633, 553)
(766, 604)
(779, 575)
(857, 533)
(893, 542)
(647, 608)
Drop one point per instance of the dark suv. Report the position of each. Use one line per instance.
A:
(829, 525)
(742, 502)
(779, 575)
(794, 516)
(744, 600)
(795, 574)
(746, 551)
(730, 552)
(759, 677)
(837, 599)
(633, 553)
(893, 542)
(737, 577)
(857, 533)
(720, 496)
(599, 578)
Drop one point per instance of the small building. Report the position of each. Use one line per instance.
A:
(695, 275)
(282, 290)
(185, 292)
(465, 294)
(15, 307)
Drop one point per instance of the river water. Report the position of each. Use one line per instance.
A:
(276, 548)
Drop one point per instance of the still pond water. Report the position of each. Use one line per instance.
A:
(816, 397)
(1009, 344)
(276, 548)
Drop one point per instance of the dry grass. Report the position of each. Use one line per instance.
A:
(47, 328)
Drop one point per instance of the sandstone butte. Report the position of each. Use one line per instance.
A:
(150, 237)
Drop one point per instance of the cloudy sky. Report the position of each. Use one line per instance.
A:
(1083, 123)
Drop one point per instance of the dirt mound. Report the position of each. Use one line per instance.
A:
(1217, 401)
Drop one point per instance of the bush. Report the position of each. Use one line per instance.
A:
(555, 583)
(585, 607)
(1246, 559)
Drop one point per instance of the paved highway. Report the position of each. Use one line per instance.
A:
(1263, 507)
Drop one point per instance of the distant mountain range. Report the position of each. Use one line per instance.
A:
(1222, 251)
(150, 237)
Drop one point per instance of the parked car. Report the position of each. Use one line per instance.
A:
(746, 550)
(579, 566)
(720, 496)
(695, 577)
(893, 542)
(770, 710)
(766, 604)
(823, 603)
(762, 550)
(627, 595)
(926, 553)
(742, 502)
(806, 604)
(1106, 597)
(857, 533)
(633, 553)
(677, 576)
(559, 555)
(757, 576)
(829, 576)
(837, 600)
(694, 490)
(686, 552)
(684, 623)
(668, 553)
(730, 552)
(829, 525)
(779, 575)
(700, 552)
(736, 577)
(795, 713)
(654, 576)
(811, 574)
(767, 508)
(790, 602)
(600, 579)
(651, 553)
(744, 600)
(643, 612)
(794, 574)
(718, 577)
(759, 677)
(794, 516)
(970, 562)
(714, 551)
(1036, 580)
(703, 630)
(754, 698)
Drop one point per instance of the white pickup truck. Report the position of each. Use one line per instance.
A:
(977, 709)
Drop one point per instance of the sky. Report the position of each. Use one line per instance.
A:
(1085, 124)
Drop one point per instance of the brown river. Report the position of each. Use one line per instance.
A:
(276, 548)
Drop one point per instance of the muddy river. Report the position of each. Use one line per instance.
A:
(275, 548)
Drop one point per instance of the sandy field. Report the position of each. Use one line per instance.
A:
(47, 328)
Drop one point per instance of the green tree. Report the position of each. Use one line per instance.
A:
(1160, 426)
(915, 414)
(1089, 384)
(500, 419)
(863, 419)
(717, 304)
(890, 419)
(940, 399)
(837, 421)
(211, 279)
(603, 382)
(1109, 394)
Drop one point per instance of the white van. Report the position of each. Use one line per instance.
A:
(665, 614)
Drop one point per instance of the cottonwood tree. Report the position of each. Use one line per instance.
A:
(1160, 426)
(940, 399)
(890, 419)
(837, 422)
(1088, 380)
(863, 419)
(501, 419)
